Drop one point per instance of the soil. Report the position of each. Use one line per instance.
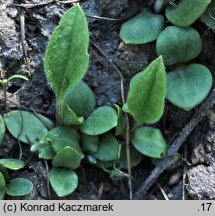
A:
(194, 176)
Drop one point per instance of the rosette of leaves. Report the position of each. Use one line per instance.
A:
(16, 186)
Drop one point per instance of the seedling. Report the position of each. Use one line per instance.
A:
(84, 131)
(5, 82)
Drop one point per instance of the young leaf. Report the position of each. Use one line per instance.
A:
(186, 12)
(19, 187)
(26, 126)
(89, 143)
(12, 164)
(146, 96)
(2, 129)
(80, 99)
(109, 148)
(46, 152)
(100, 121)
(63, 181)
(2, 186)
(68, 157)
(66, 58)
(150, 142)
(177, 45)
(143, 28)
(120, 128)
(70, 118)
(188, 86)
(61, 137)
(208, 17)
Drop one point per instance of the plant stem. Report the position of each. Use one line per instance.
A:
(59, 112)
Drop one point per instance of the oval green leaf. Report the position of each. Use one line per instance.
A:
(109, 148)
(66, 58)
(188, 86)
(19, 187)
(100, 121)
(12, 164)
(61, 137)
(143, 28)
(89, 143)
(147, 94)
(26, 126)
(150, 142)
(68, 157)
(208, 17)
(177, 45)
(2, 186)
(63, 181)
(80, 99)
(2, 129)
(186, 12)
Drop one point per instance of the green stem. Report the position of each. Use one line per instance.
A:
(59, 113)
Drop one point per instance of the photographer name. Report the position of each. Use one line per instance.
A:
(63, 207)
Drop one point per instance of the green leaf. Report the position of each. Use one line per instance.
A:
(61, 137)
(208, 17)
(100, 121)
(120, 128)
(89, 143)
(143, 28)
(70, 118)
(150, 142)
(109, 148)
(68, 157)
(80, 99)
(4, 172)
(177, 45)
(2, 186)
(66, 58)
(12, 164)
(186, 12)
(26, 126)
(188, 86)
(146, 96)
(2, 129)
(63, 181)
(135, 157)
(19, 187)
(46, 152)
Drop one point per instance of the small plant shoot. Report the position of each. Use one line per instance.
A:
(66, 58)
